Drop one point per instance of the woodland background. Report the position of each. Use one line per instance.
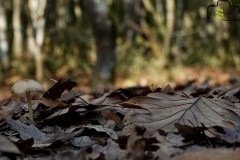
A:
(101, 41)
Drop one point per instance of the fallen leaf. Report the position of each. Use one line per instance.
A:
(6, 146)
(190, 132)
(136, 147)
(60, 136)
(64, 118)
(119, 95)
(217, 92)
(168, 90)
(83, 141)
(58, 88)
(108, 131)
(194, 135)
(27, 132)
(201, 89)
(108, 114)
(111, 150)
(175, 139)
(71, 154)
(162, 111)
(233, 95)
(226, 134)
(184, 86)
(70, 96)
(166, 152)
(110, 97)
(9, 108)
(127, 93)
(51, 103)
(26, 145)
(169, 145)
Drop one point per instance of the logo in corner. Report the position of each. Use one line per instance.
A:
(223, 11)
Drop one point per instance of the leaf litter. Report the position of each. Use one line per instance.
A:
(125, 123)
(163, 111)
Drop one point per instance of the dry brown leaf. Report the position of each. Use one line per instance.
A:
(58, 88)
(162, 111)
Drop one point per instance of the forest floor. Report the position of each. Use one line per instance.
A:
(215, 76)
(196, 117)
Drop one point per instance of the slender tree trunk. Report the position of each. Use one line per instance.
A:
(104, 38)
(34, 48)
(160, 9)
(132, 14)
(178, 27)
(17, 29)
(35, 42)
(4, 48)
(61, 12)
(170, 8)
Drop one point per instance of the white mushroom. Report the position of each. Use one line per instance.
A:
(26, 86)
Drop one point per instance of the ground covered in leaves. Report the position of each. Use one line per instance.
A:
(189, 121)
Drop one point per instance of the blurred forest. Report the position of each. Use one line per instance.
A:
(105, 40)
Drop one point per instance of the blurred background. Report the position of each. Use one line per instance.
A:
(105, 43)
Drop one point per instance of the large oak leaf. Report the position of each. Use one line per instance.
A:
(162, 111)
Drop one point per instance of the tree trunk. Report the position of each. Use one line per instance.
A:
(17, 30)
(132, 15)
(61, 13)
(4, 48)
(104, 38)
(35, 42)
(177, 42)
(170, 8)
